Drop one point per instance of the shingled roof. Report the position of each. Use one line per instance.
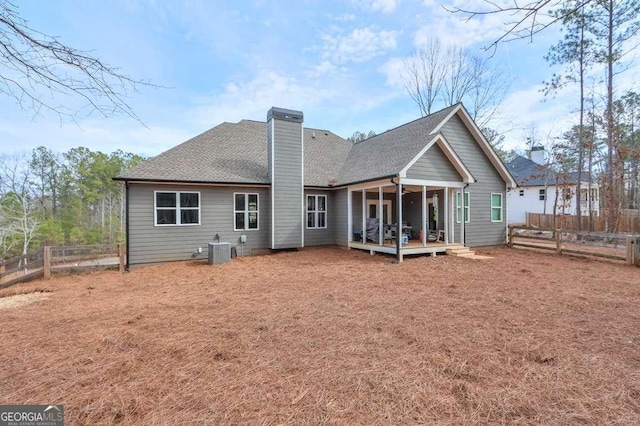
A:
(389, 152)
(530, 173)
(236, 153)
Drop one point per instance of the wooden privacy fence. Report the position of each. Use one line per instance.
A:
(47, 260)
(627, 224)
(621, 247)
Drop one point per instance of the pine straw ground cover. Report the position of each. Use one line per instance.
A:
(336, 336)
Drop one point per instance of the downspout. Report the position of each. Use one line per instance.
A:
(463, 237)
(399, 221)
(126, 238)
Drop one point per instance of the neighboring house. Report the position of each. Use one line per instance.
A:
(278, 185)
(538, 186)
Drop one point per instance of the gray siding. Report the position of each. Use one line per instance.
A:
(339, 209)
(480, 231)
(412, 211)
(357, 206)
(321, 236)
(434, 165)
(149, 243)
(287, 189)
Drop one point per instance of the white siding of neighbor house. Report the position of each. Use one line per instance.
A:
(149, 243)
(530, 202)
(480, 231)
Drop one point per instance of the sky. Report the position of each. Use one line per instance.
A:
(217, 61)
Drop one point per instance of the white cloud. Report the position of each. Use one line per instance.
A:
(361, 45)
(324, 68)
(524, 109)
(104, 135)
(252, 99)
(385, 6)
(345, 17)
(453, 29)
(392, 70)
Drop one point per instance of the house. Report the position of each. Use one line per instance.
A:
(540, 189)
(278, 185)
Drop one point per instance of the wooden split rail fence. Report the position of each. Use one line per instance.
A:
(619, 247)
(49, 259)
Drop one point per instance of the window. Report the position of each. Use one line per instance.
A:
(459, 207)
(316, 211)
(522, 192)
(496, 207)
(567, 193)
(177, 208)
(245, 212)
(542, 194)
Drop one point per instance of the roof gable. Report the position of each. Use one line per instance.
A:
(386, 154)
(440, 141)
(486, 147)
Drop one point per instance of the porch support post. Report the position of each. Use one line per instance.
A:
(349, 215)
(399, 222)
(380, 217)
(446, 215)
(425, 232)
(464, 210)
(364, 215)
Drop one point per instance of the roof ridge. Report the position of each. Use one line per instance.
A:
(306, 128)
(411, 122)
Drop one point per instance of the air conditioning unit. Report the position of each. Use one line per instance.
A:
(219, 253)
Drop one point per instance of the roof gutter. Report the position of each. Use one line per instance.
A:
(344, 185)
(126, 237)
(189, 182)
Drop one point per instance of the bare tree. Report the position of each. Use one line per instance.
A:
(8, 232)
(424, 74)
(37, 70)
(435, 77)
(18, 207)
(523, 19)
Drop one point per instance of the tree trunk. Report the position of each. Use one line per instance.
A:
(611, 178)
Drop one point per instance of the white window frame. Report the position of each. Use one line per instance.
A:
(316, 211)
(177, 208)
(521, 193)
(386, 205)
(246, 211)
(542, 193)
(500, 207)
(459, 208)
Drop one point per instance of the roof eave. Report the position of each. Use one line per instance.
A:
(484, 144)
